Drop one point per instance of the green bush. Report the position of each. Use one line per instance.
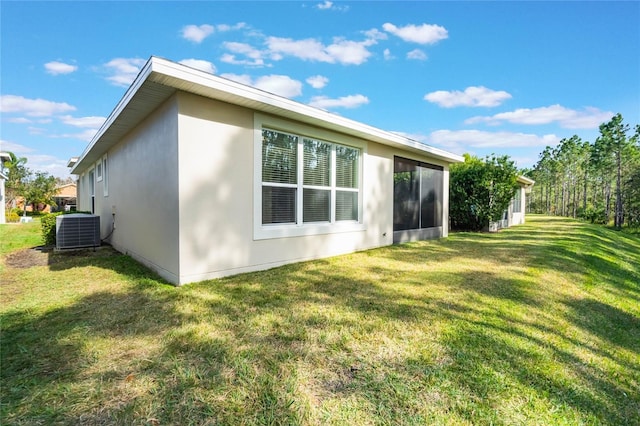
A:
(48, 223)
(593, 215)
(12, 217)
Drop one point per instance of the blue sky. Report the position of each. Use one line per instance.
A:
(478, 77)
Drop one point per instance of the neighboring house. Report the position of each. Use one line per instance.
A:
(66, 198)
(514, 215)
(201, 177)
(3, 179)
(4, 157)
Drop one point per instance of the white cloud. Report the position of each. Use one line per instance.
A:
(48, 163)
(329, 5)
(256, 56)
(36, 130)
(199, 64)
(326, 5)
(421, 34)
(197, 33)
(226, 27)
(483, 139)
(19, 120)
(345, 52)
(317, 81)
(8, 146)
(375, 34)
(231, 59)
(281, 85)
(37, 162)
(349, 52)
(473, 96)
(307, 49)
(351, 101)
(85, 135)
(417, 54)
(92, 122)
(124, 70)
(57, 68)
(568, 118)
(33, 107)
(387, 55)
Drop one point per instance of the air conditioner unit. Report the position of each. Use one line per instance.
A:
(77, 230)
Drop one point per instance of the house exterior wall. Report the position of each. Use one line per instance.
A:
(217, 191)
(3, 218)
(142, 197)
(517, 218)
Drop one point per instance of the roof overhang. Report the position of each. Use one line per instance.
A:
(525, 181)
(159, 79)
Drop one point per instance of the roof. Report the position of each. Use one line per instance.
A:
(525, 181)
(72, 161)
(160, 78)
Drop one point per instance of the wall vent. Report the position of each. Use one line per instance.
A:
(77, 230)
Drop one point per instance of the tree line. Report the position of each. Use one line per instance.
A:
(36, 187)
(598, 181)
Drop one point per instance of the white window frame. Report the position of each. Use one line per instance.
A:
(268, 231)
(98, 169)
(92, 190)
(105, 174)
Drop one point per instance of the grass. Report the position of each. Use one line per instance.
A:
(537, 324)
(18, 235)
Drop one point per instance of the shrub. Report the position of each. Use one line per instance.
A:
(48, 222)
(12, 217)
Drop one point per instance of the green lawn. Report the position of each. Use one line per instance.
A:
(538, 324)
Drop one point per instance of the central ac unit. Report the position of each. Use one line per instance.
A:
(77, 230)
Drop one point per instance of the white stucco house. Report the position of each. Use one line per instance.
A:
(3, 179)
(514, 215)
(200, 177)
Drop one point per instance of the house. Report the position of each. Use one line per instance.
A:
(66, 197)
(3, 179)
(200, 177)
(4, 157)
(514, 215)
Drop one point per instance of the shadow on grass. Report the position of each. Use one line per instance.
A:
(272, 347)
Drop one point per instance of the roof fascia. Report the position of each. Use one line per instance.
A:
(129, 94)
(266, 102)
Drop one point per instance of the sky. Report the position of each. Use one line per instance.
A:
(505, 78)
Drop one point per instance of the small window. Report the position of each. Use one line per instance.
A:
(105, 176)
(99, 171)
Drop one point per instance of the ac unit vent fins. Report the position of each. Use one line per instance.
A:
(77, 230)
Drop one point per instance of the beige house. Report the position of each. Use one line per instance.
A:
(514, 215)
(201, 177)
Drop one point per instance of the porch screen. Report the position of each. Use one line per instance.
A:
(417, 195)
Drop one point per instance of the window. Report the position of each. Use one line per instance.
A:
(92, 190)
(105, 176)
(517, 201)
(417, 195)
(99, 171)
(307, 184)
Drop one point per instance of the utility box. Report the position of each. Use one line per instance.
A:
(77, 230)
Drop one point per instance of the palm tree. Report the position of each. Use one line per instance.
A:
(16, 171)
